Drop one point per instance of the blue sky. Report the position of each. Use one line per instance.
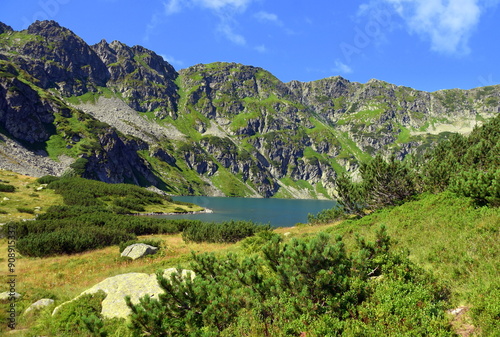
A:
(423, 44)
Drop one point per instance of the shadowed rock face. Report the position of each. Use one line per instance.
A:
(215, 129)
(135, 285)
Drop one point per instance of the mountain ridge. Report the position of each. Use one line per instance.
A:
(126, 115)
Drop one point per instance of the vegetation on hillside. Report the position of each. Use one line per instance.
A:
(468, 166)
(309, 286)
(423, 240)
(96, 215)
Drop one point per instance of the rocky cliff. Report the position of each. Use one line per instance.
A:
(123, 114)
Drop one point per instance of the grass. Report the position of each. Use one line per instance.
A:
(64, 277)
(28, 194)
(229, 184)
(403, 136)
(449, 236)
(444, 234)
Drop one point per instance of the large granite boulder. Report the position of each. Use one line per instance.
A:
(138, 250)
(135, 285)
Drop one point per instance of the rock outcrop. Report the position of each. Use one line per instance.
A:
(135, 285)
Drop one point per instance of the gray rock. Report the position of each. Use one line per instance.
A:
(138, 250)
(5, 296)
(135, 285)
(44, 302)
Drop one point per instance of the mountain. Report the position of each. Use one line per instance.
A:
(123, 114)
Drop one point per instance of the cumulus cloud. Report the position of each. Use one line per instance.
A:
(224, 10)
(341, 67)
(447, 24)
(220, 4)
(175, 6)
(172, 6)
(268, 17)
(227, 31)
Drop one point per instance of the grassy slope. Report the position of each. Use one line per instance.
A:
(26, 195)
(443, 233)
(30, 194)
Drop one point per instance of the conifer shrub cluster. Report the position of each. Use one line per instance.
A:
(305, 287)
(97, 215)
(326, 216)
(467, 166)
(70, 240)
(72, 318)
(223, 232)
(85, 192)
(71, 229)
(7, 188)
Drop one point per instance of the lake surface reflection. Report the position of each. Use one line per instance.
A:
(277, 212)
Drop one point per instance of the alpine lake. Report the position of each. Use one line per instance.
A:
(276, 212)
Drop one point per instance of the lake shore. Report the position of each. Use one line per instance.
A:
(206, 210)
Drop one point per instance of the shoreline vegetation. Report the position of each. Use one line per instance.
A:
(206, 210)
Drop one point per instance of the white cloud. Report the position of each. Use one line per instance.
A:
(228, 32)
(172, 6)
(220, 4)
(341, 67)
(224, 10)
(172, 60)
(269, 17)
(448, 24)
(261, 49)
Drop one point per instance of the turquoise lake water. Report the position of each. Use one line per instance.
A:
(277, 212)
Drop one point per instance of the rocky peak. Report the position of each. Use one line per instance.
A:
(142, 77)
(5, 28)
(49, 29)
(58, 58)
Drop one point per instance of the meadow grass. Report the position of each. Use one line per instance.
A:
(28, 194)
(445, 234)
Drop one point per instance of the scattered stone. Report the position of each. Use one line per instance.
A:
(457, 311)
(287, 234)
(462, 322)
(40, 188)
(138, 250)
(5, 296)
(5, 199)
(44, 302)
(135, 285)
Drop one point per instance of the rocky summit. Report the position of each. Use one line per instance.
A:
(123, 114)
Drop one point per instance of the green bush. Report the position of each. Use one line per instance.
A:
(229, 231)
(70, 240)
(326, 216)
(26, 210)
(128, 203)
(84, 192)
(306, 286)
(71, 319)
(47, 179)
(483, 187)
(7, 188)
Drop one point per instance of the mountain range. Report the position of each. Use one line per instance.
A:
(117, 113)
